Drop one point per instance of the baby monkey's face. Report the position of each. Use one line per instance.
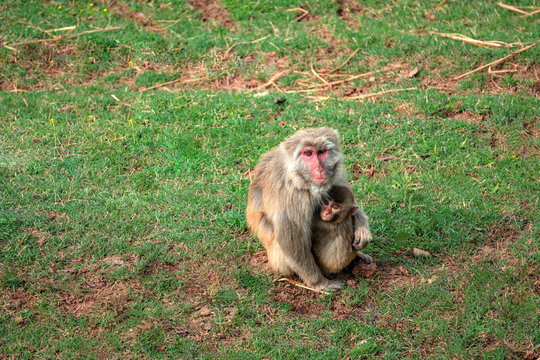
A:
(330, 210)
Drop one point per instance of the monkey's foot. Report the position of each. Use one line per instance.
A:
(365, 258)
(362, 237)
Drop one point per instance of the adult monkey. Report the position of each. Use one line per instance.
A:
(290, 182)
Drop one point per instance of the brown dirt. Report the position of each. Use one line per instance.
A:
(531, 129)
(466, 116)
(525, 72)
(347, 9)
(303, 302)
(15, 301)
(122, 9)
(213, 11)
(104, 296)
(501, 238)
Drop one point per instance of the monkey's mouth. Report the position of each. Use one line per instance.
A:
(319, 180)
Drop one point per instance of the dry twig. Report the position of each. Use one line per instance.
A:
(533, 13)
(365, 96)
(188, 81)
(300, 285)
(304, 13)
(513, 8)
(354, 77)
(243, 43)
(346, 61)
(481, 43)
(317, 75)
(59, 38)
(496, 62)
(272, 80)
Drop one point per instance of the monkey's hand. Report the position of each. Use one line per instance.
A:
(362, 235)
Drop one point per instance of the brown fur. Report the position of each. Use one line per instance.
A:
(282, 200)
(333, 239)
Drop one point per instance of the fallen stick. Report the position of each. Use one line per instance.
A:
(496, 62)
(354, 77)
(273, 78)
(243, 43)
(65, 28)
(317, 75)
(329, 74)
(365, 96)
(304, 13)
(512, 8)
(533, 13)
(59, 38)
(481, 43)
(300, 285)
(346, 61)
(188, 81)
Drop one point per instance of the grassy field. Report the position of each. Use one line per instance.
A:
(129, 131)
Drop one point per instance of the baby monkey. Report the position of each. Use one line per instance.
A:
(333, 233)
(338, 205)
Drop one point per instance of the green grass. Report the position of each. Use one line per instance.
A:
(122, 226)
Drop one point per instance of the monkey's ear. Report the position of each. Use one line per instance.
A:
(353, 209)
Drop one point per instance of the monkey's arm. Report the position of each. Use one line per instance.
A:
(362, 234)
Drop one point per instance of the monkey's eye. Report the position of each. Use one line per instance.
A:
(325, 202)
(320, 152)
(335, 206)
(308, 153)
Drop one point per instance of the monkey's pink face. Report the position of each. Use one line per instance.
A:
(316, 161)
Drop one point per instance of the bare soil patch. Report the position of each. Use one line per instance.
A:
(501, 237)
(102, 296)
(466, 116)
(348, 8)
(303, 302)
(496, 83)
(213, 11)
(15, 301)
(145, 20)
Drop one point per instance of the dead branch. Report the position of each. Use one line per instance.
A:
(317, 75)
(481, 43)
(513, 8)
(496, 62)
(243, 43)
(530, 14)
(188, 81)
(354, 77)
(304, 13)
(346, 61)
(59, 38)
(365, 96)
(272, 79)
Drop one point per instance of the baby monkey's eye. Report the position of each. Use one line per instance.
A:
(325, 202)
(335, 206)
